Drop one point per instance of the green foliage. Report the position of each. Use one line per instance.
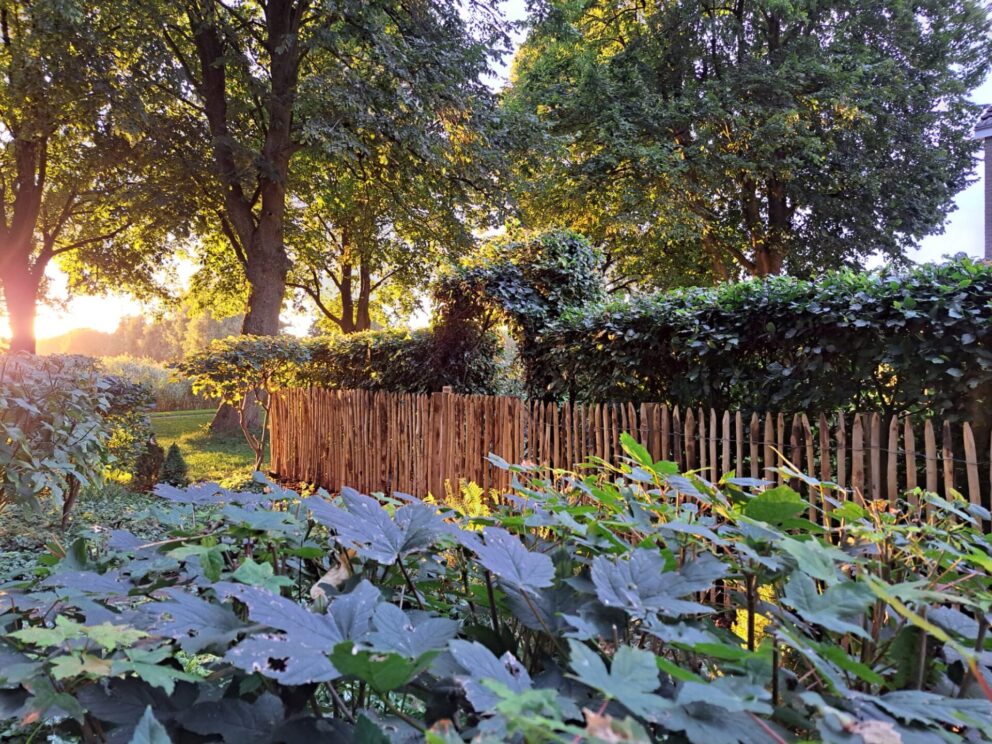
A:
(528, 281)
(531, 279)
(209, 455)
(76, 96)
(420, 361)
(698, 142)
(62, 422)
(915, 340)
(168, 392)
(148, 467)
(174, 470)
(243, 371)
(594, 605)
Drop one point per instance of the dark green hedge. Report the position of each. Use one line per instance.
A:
(420, 361)
(915, 340)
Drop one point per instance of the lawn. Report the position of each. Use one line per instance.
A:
(210, 457)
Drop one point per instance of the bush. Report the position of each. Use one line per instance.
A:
(62, 423)
(914, 341)
(169, 392)
(174, 470)
(526, 281)
(148, 467)
(243, 371)
(399, 361)
(629, 604)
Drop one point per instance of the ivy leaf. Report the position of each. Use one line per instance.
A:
(75, 665)
(260, 574)
(504, 555)
(368, 529)
(149, 730)
(63, 630)
(837, 609)
(479, 663)
(631, 681)
(196, 623)
(147, 664)
(409, 634)
(641, 586)
(45, 698)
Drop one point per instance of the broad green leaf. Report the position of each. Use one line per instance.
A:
(382, 671)
(776, 506)
(839, 608)
(260, 574)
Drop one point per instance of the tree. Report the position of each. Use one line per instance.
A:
(75, 185)
(279, 79)
(275, 80)
(699, 140)
(374, 227)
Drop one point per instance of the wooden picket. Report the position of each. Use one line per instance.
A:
(422, 444)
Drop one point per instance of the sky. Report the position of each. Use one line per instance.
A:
(963, 233)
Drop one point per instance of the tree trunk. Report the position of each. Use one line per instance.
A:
(363, 320)
(268, 266)
(20, 289)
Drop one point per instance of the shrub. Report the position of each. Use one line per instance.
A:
(170, 393)
(915, 341)
(243, 371)
(420, 361)
(62, 423)
(593, 607)
(527, 281)
(174, 470)
(148, 467)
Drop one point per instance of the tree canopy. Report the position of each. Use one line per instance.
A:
(84, 156)
(697, 141)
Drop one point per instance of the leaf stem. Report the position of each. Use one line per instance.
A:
(409, 583)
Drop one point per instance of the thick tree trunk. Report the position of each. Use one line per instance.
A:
(20, 289)
(767, 261)
(363, 320)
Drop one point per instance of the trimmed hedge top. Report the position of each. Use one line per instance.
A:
(914, 340)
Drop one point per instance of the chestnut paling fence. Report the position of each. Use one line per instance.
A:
(376, 441)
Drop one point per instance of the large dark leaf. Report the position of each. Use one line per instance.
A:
(632, 680)
(300, 653)
(504, 555)
(641, 586)
(367, 528)
(196, 623)
(479, 663)
(545, 609)
(149, 730)
(236, 721)
(409, 634)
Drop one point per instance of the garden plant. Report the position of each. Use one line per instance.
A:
(629, 603)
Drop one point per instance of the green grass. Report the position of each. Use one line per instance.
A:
(210, 457)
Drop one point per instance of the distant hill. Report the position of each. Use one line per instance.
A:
(83, 341)
(162, 339)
